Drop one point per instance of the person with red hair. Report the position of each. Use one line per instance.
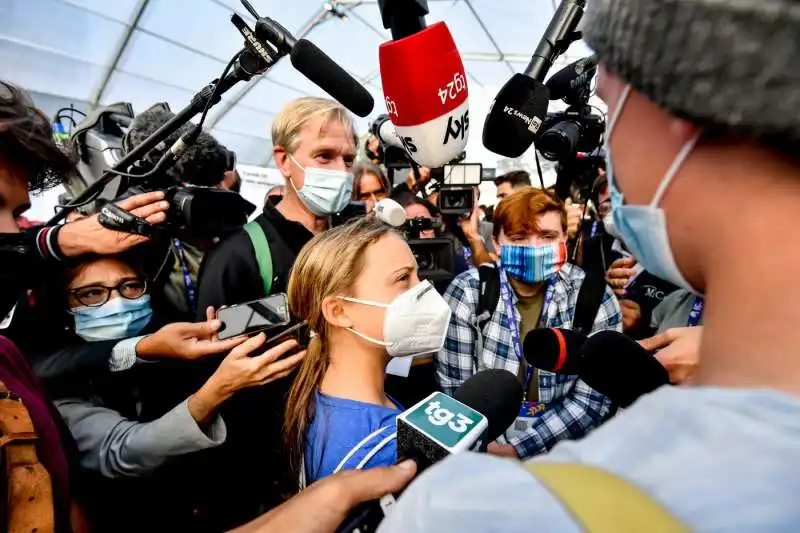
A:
(538, 289)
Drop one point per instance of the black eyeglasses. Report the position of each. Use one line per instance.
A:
(97, 295)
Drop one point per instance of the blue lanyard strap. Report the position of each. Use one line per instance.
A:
(696, 313)
(513, 326)
(594, 230)
(191, 297)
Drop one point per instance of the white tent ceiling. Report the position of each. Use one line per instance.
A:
(89, 52)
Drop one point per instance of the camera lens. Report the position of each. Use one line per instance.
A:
(424, 260)
(560, 141)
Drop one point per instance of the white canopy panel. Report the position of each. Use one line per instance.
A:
(90, 52)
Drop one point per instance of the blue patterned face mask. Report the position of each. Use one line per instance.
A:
(118, 318)
(533, 264)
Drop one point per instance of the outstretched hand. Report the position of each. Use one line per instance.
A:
(322, 507)
(186, 340)
(87, 235)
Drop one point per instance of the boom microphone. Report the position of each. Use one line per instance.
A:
(425, 85)
(560, 33)
(619, 368)
(554, 350)
(521, 105)
(315, 65)
(384, 130)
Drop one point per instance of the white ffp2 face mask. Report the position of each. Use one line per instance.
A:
(415, 323)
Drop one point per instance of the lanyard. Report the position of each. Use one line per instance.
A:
(511, 323)
(191, 298)
(696, 312)
(594, 230)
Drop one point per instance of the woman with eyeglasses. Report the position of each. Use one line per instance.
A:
(135, 419)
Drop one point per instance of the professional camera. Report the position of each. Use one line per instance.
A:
(194, 210)
(457, 194)
(568, 132)
(435, 256)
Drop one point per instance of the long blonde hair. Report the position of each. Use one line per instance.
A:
(327, 266)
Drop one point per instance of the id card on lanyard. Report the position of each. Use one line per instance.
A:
(191, 295)
(696, 313)
(529, 410)
(513, 326)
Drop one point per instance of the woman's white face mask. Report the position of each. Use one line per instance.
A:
(415, 323)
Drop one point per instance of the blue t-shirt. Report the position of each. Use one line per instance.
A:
(339, 425)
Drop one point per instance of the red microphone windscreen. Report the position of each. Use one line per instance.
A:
(425, 86)
(554, 350)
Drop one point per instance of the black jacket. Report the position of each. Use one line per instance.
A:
(247, 472)
(229, 274)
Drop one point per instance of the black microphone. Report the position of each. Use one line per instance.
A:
(573, 77)
(618, 367)
(481, 410)
(315, 65)
(520, 107)
(554, 350)
(560, 33)
(403, 17)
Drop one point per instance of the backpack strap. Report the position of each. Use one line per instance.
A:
(590, 297)
(263, 254)
(603, 502)
(29, 505)
(488, 294)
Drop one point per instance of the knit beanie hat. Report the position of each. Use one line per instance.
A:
(731, 65)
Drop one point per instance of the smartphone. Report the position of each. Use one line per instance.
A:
(252, 317)
(299, 332)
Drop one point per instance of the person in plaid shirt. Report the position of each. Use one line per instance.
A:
(540, 290)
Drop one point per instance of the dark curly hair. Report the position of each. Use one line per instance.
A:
(204, 163)
(26, 140)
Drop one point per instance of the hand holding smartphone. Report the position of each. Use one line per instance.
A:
(264, 314)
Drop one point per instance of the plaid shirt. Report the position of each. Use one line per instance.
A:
(573, 408)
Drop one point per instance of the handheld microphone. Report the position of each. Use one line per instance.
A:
(564, 83)
(315, 65)
(425, 85)
(392, 213)
(618, 367)
(521, 105)
(554, 350)
(384, 130)
(478, 413)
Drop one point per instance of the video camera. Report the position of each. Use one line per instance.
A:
(565, 135)
(435, 256)
(194, 211)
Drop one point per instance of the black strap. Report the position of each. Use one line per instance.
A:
(489, 293)
(115, 218)
(590, 297)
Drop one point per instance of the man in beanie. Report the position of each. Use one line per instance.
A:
(704, 115)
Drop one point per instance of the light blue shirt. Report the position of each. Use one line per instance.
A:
(339, 426)
(720, 460)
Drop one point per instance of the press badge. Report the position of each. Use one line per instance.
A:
(528, 413)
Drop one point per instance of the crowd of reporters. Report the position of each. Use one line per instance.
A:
(146, 417)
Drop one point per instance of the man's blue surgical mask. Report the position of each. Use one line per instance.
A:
(118, 318)
(325, 191)
(643, 228)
